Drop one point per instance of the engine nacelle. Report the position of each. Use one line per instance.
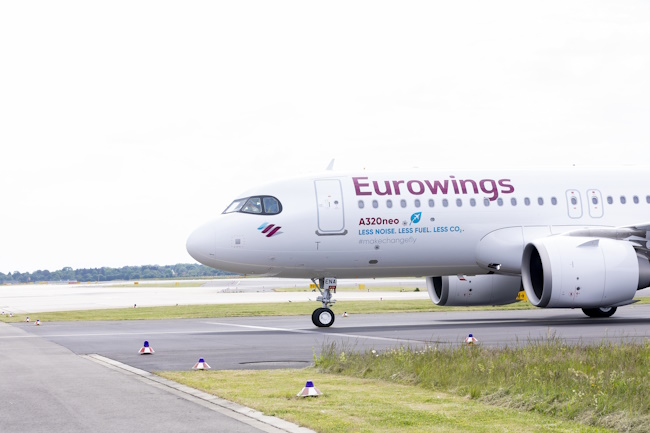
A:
(476, 290)
(581, 272)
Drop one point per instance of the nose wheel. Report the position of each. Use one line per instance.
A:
(322, 317)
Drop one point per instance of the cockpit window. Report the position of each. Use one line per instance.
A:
(235, 205)
(271, 205)
(262, 205)
(252, 205)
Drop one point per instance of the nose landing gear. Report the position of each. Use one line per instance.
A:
(324, 317)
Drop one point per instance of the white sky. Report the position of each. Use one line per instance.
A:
(125, 124)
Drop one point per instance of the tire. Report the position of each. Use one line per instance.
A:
(322, 317)
(599, 312)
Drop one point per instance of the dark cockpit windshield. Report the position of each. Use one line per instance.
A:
(261, 205)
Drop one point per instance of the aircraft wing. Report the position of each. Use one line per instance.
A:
(637, 234)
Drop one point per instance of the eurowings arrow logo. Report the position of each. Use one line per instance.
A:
(269, 229)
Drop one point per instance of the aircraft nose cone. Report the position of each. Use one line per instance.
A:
(201, 244)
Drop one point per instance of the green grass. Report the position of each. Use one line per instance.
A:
(158, 284)
(350, 404)
(356, 289)
(266, 309)
(250, 310)
(606, 385)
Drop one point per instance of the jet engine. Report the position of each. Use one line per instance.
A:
(582, 272)
(474, 290)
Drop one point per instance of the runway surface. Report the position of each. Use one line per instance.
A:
(279, 342)
(34, 298)
(54, 378)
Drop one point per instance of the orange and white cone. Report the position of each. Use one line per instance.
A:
(146, 349)
(201, 365)
(309, 390)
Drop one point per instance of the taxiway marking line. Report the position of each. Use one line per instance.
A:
(321, 334)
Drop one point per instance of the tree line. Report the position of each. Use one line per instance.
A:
(67, 274)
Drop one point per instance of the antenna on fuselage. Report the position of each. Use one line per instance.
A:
(330, 166)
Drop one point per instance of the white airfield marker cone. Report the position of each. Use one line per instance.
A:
(470, 340)
(309, 390)
(38, 322)
(146, 349)
(27, 319)
(201, 365)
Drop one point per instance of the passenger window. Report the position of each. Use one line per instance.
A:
(610, 200)
(459, 202)
(472, 202)
(574, 201)
(417, 202)
(253, 205)
(402, 203)
(540, 201)
(647, 198)
(486, 202)
(272, 206)
(636, 199)
(361, 204)
(500, 201)
(554, 200)
(513, 201)
(623, 200)
(375, 204)
(389, 204)
(431, 202)
(527, 201)
(594, 200)
(445, 202)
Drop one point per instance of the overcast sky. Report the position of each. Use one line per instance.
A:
(125, 124)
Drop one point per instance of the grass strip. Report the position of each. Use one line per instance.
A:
(354, 289)
(606, 385)
(351, 404)
(251, 310)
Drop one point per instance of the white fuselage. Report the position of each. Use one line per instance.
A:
(415, 223)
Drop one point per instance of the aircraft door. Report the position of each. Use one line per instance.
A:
(329, 199)
(574, 203)
(595, 203)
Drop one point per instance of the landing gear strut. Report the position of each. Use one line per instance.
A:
(324, 317)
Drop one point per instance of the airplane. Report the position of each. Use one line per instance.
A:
(568, 238)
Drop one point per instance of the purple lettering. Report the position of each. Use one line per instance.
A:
(388, 190)
(409, 186)
(508, 187)
(453, 182)
(492, 190)
(396, 186)
(358, 185)
(463, 185)
(443, 187)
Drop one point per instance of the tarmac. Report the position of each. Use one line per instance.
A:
(35, 298)
(87, 376)
(46, 388)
